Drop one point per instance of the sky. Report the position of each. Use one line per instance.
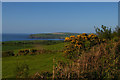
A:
(47, 17)
(60, 0)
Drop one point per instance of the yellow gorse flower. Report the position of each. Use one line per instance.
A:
(82, 37)
(79, 46)
(77, 42)
(92, 34)
(65, 51)
(72, 36)
(99, 40)
(78, 36)
(82, 41)
(75, 45)
(103, 39)
(89, 36)
(85, 38)
(67, 39)
(73, 41)
(83, 33)
(95, 35)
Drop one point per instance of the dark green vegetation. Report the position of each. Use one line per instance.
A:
(14, 45)
(52, 35)
(106, 33)
(101, 61)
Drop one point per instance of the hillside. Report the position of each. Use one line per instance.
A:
(59, 35)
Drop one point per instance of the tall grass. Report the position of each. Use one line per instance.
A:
(101, 62)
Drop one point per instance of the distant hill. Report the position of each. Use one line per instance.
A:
(58, 35)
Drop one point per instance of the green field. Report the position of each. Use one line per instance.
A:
(37, 63)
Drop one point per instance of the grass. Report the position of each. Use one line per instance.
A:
(55, 47)
(37, 63)
(0, 67)
(16, 45)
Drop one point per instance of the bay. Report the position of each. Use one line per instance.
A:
(20, 37)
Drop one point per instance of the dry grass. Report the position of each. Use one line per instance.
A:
(99, 63)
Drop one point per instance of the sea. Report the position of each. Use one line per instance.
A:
(19, 37)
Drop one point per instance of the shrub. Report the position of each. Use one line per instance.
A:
(7, 53)
(97, 59)
(100, 63)
(22, 70)
(83, 42)
(117, 30)
(104, 33)
(117, 48)
(115, 39)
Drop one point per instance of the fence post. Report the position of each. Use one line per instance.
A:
(53, 69)
(78, 68)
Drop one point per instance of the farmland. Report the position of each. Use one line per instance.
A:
(37, 63)
(84, 56)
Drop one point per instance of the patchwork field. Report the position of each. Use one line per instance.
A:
(37, 63)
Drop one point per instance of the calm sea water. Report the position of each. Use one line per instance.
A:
(19, 37)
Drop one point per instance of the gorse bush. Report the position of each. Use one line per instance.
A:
(95, 56)
(83, 42)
